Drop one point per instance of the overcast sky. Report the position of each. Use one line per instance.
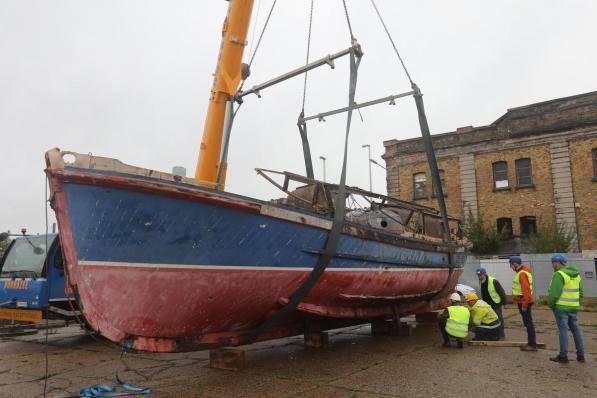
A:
(131, 80)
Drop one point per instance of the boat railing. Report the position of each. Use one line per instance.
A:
(364, 207)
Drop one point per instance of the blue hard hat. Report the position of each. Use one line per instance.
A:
(481, 271)
(560, 258)
(516, 260)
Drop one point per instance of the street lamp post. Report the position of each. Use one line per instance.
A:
(323, 161)
(374, 162)
(369, 163)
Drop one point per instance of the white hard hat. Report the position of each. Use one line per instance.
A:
(455, 297)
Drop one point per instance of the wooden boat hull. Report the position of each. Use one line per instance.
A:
(167, 266)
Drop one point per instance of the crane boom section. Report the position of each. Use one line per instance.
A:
(226, 80)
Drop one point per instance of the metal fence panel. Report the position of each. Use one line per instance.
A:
(542, 272)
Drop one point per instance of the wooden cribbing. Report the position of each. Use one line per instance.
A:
(502, 343)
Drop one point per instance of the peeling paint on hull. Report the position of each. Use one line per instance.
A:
(173, 267)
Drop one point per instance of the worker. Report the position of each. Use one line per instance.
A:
(484, 321)
(522, 294)
(493, 294)
(565, 294)
(454, 322)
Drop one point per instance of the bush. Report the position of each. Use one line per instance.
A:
(485, 238)
(552, 238)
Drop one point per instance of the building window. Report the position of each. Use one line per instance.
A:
(528, 225)
(595, 164)
(441, 178)
(524, 176)
(500, 175)
(420, 185)
(504, 227)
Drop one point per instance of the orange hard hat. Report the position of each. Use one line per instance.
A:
(471, 297)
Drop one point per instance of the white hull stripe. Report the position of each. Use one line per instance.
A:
(246, 268)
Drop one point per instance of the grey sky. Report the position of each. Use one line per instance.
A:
(131, 79)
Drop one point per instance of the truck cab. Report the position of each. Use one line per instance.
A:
(31, 277)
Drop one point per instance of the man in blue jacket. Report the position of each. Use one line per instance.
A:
(565, 293)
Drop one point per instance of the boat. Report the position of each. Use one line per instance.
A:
(165, 263)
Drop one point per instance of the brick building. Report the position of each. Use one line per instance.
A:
(535, 164)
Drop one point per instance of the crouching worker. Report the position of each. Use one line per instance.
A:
(484, 321)
(454, 321)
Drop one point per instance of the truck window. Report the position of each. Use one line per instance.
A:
(26, 255)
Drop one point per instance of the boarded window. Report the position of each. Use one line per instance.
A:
(524, 175)
(443, 182)
(528, 225)
(420, 185)
(504, 227)
(500, 175)
(595, 164)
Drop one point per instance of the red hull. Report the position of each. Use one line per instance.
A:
(208, 303)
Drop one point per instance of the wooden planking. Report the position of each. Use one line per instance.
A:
(502, 343)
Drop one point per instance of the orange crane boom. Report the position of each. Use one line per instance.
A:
(226, 80)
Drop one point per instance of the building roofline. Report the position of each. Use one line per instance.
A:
(512, 123)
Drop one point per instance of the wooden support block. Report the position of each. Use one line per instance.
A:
(389, 328)
(381, 327)
(227, 359)
(405, 329)
(502, 343)
(316, 339)
(426, 317)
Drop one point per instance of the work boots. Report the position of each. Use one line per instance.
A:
(559, 359)
(528, 348)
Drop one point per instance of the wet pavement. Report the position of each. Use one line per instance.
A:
(355, 364)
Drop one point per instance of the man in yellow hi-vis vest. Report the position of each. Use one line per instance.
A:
(565, 293)
(484, 321)
(454, 321)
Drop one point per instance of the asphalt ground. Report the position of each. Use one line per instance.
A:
(354, 364)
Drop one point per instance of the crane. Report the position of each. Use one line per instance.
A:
(227, 77)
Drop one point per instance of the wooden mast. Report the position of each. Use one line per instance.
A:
(226, 80)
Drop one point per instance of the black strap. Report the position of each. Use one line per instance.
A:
(339, 214)
(302, 126)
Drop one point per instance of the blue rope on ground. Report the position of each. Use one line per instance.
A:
(102, 390)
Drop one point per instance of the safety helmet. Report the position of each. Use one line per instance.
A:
(472, 297)
(516, 260)
(560, 258)
(455, 297)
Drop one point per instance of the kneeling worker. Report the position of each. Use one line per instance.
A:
(454, 321)
(484, 320)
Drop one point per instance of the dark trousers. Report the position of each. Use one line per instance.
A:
(445, 335)
(527, 319)
(498, 310)
(486, 334)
